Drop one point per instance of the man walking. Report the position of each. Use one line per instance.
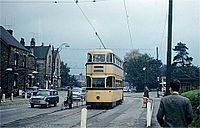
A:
(175, 110)
(146, 92)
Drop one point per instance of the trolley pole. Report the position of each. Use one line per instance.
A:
(169, 47)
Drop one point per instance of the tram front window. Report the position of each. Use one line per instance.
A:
(99, 58)
(98, 82)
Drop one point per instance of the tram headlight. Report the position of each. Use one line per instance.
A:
(98, 97)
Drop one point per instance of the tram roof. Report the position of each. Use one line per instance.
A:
(100, 51)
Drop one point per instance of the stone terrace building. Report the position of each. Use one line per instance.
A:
(17, 64)
(43, 56)
(56, 79)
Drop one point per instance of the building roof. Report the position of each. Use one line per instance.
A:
(9, 39)
(40, 51)
(55, 54)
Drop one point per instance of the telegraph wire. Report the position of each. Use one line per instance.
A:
(46, 2)
(118, 49)
(163, 32)
(90, 23)
(128, 25)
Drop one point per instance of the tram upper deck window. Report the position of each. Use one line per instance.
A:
(109, 57)
(89, 57)
(98, 58)
(98, 82)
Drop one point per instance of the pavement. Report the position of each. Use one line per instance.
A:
(154, 122)
(16, 101)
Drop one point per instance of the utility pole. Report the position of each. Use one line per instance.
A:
(156, 53)
(169, 47)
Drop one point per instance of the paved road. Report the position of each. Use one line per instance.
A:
(10, 113)
(129, 114)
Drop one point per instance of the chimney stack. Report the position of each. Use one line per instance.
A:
(10, 31)
(22, 41)
(33, 42)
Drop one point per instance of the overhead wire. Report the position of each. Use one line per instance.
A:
(118, 49)
(163, 32)
(128, 25)
(44, 1)
(76, 1)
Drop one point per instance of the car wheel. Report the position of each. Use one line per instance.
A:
(47, 105)
(32, 105)
(55, 104)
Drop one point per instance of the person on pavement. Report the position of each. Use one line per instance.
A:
(174, 110)
(146, 92)
(0, 94)
(70, 98)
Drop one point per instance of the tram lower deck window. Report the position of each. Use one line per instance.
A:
(98, 82)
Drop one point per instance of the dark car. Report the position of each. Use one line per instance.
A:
(30, 91)
(45, 97)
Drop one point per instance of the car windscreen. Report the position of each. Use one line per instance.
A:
(29, 89)
(43, 93)
(76, 90)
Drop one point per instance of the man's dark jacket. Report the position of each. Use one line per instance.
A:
(174, 111)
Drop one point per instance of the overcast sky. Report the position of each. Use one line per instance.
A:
(54, 24)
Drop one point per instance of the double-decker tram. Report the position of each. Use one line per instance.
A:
(105, 78)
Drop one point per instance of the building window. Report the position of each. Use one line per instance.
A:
(49, 64)
(24, 61)
(16, 59)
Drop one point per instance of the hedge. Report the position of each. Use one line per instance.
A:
(194, 97)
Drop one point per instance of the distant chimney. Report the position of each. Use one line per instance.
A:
(10, 31)
(42, 44)
(22, 41)
(33, 42)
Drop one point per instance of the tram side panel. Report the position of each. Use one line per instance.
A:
(103, 97)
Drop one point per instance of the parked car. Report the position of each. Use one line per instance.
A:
(76, 93)
(83, 93)
(64, 88)
(45, 97)
(126, 89)
(30, 91)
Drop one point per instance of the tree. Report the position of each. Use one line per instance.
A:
(66, 78)
(141, 69)
(182, 58)
(182, 68)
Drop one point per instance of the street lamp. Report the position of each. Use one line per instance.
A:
(145, 75)
(63, 44)
(35, 72)
(9, 69)
(53, 74)
(34, 76)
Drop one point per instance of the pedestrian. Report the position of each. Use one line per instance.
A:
(69, 98)
(174, 110)
(146, 92)
(0, 94)
(145, 96)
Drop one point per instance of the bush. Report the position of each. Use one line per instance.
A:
(194, 97)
